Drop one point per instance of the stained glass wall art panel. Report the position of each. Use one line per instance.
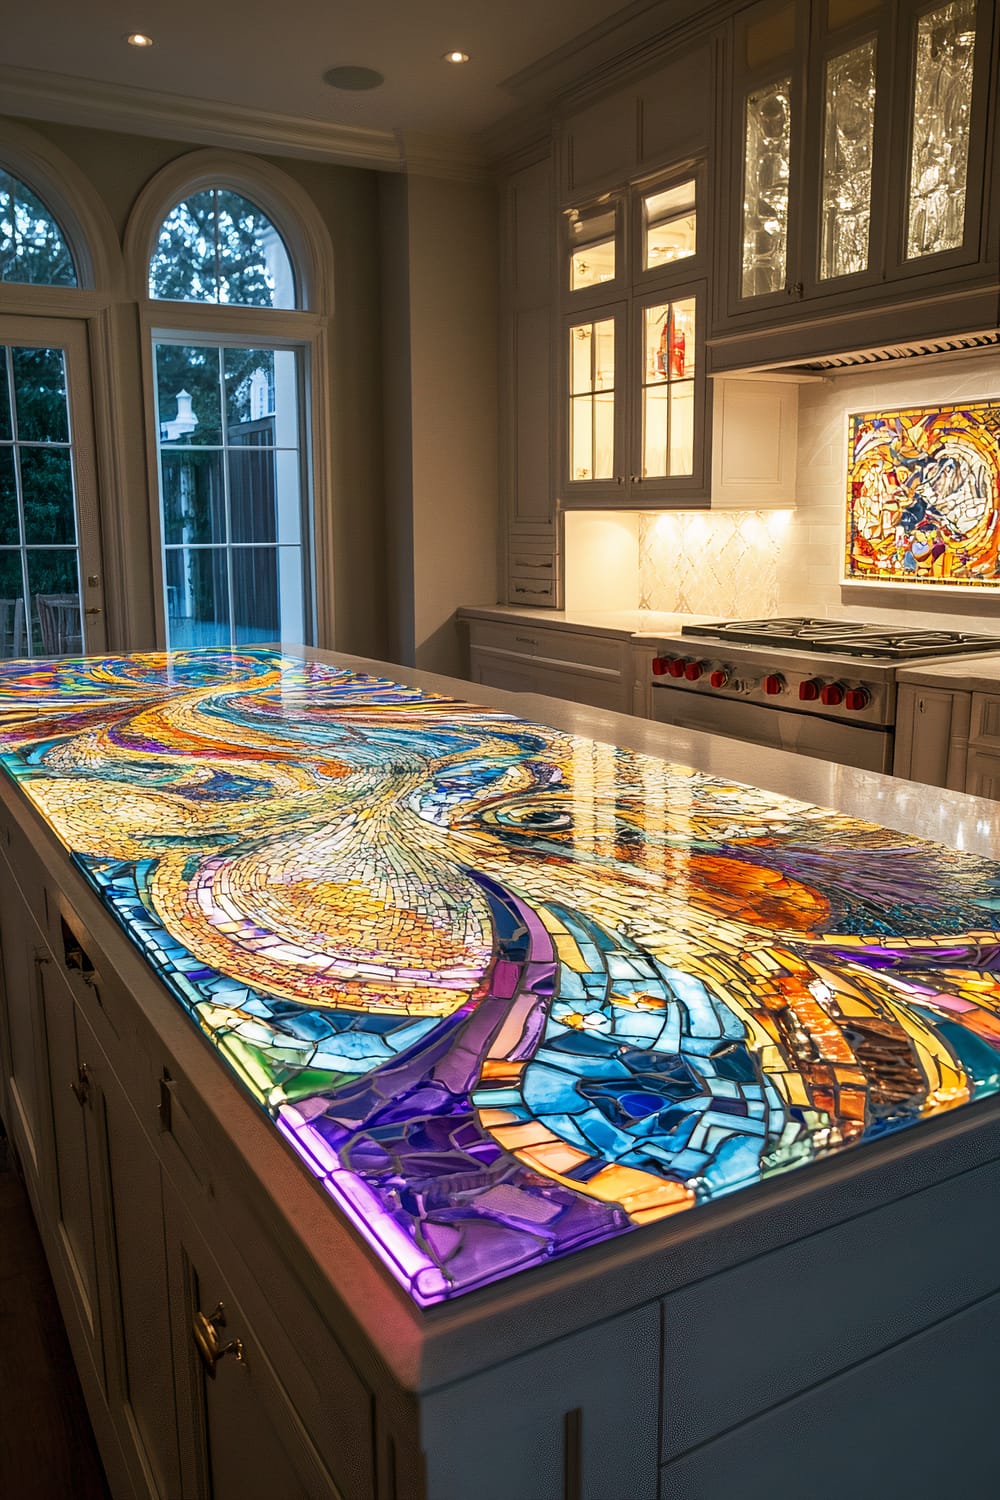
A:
(923, 496)
(506, 992)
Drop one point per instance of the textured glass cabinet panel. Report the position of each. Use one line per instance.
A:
(939, 145)
(592, 400)
(848, 134)
(765, 188)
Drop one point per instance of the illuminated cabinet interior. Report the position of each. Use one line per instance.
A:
(634, 386)
(855, 147)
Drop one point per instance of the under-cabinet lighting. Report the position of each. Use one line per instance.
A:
(139, 39)
(456, 57)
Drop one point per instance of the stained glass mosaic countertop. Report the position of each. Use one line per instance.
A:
(506, 991)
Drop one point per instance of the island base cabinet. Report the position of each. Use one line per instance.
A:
(574, 1420)
(22, 1040)
(240, 1427)
(927, 1437)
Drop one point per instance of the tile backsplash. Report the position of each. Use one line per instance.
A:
(744, 563)
(703, 562)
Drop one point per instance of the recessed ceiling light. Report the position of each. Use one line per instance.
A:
(349, 77)
(139, 39)
(456, 57)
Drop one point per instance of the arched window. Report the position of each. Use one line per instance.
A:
(33, 248)
(217, 246)
(232, 256)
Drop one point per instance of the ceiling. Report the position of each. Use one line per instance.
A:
(271, 57)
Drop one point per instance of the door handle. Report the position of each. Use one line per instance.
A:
(81, 1089)
(93, 610)
(205, 1329)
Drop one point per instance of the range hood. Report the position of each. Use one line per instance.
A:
(921, 348)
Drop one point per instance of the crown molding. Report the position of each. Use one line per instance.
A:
(456, 157)
(37, 95)
(629, 44)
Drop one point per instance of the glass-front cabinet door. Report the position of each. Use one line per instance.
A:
(858, 144)
(942, 136)
(633, 391)
(668, 413)
(594, 404)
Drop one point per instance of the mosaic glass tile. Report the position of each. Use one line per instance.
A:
(923, 496)
(506, 991)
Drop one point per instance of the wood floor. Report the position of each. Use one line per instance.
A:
(47, 1449)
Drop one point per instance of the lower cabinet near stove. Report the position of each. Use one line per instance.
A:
(235, 1341)
(949, 738)
(535, 657)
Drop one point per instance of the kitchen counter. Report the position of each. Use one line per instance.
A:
(530, 1049)
(970, 674)
(624, 624)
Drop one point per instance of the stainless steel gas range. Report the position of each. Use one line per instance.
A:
(817, 687)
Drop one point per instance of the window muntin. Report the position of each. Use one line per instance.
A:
(33, 249)
(218, 247)
(231, 493)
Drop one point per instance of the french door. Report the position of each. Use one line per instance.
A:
(51, 594)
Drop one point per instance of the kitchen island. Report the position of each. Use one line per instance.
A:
(483, 1108)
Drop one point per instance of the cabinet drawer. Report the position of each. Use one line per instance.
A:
(532, 588)
(756, 1335)
(540, 642)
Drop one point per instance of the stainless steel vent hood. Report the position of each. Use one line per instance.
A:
(920, 349)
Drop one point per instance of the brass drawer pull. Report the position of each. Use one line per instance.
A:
(206, 1338)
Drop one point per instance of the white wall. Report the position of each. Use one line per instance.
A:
(452, 253)
(745, 563)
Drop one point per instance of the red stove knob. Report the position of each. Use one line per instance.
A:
(660, 664)
(774, 684)
(832, 695)
(692, 670)
(809, 690)
(857, 698)
(719, 679)
(675, 666)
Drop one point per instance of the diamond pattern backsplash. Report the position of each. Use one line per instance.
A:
(723, 562)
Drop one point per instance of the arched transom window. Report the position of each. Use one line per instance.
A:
(234, 508)
(217, 246)
(33, 248)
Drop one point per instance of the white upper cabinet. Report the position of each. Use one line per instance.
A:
(632, 382)
(641, 128)
(855, 174)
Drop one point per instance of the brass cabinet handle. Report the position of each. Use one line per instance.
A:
(206, 1337)
(81, 1089)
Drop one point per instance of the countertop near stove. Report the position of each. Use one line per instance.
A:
(642, 624)
(969, 674)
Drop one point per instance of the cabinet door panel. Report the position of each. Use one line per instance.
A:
(243, 1431)
(533, 499)
(143, 1387)
(674, 118)
(23, 1030)
(983, 774)
(72, 1111)
(599, 144)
